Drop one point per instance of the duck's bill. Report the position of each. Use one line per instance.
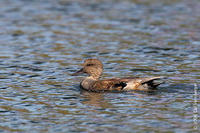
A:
(78, 72)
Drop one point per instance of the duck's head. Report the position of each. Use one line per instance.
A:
(93, 67)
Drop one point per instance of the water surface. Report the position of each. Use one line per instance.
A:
(43, 42)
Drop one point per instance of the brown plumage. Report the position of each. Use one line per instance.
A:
(94, 68)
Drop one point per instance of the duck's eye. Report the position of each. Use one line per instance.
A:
(90, 64)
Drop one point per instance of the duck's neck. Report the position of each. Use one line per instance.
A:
(92, 78)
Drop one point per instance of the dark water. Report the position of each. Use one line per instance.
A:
(43, 41)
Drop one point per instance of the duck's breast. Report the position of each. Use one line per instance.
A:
(87, 83)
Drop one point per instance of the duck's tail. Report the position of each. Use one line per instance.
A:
(152, 83)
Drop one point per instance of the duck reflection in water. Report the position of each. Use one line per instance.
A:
(95, 99)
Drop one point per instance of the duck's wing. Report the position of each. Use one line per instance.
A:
(108, 85)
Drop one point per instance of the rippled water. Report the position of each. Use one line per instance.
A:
(43, 42)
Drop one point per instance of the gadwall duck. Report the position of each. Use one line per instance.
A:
(94, 68)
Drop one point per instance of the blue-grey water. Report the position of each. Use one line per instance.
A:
(43, 41)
